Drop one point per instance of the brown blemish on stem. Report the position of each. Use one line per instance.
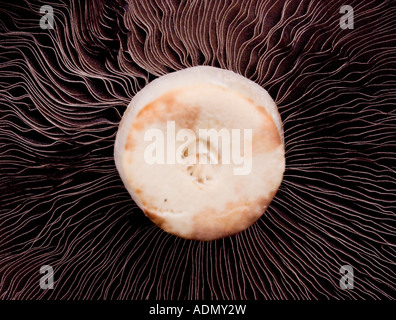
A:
(267, 137)
(237, 216)
(163, 109)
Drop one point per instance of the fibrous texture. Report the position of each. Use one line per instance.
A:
(63, 92)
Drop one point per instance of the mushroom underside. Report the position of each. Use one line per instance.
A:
(63, 92)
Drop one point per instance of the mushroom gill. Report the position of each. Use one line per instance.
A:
(63, 92)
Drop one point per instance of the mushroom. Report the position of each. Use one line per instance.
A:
(63, 92)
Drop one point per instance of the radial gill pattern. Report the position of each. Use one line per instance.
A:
(63, 92)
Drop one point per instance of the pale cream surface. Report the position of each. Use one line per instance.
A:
(174, 199)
